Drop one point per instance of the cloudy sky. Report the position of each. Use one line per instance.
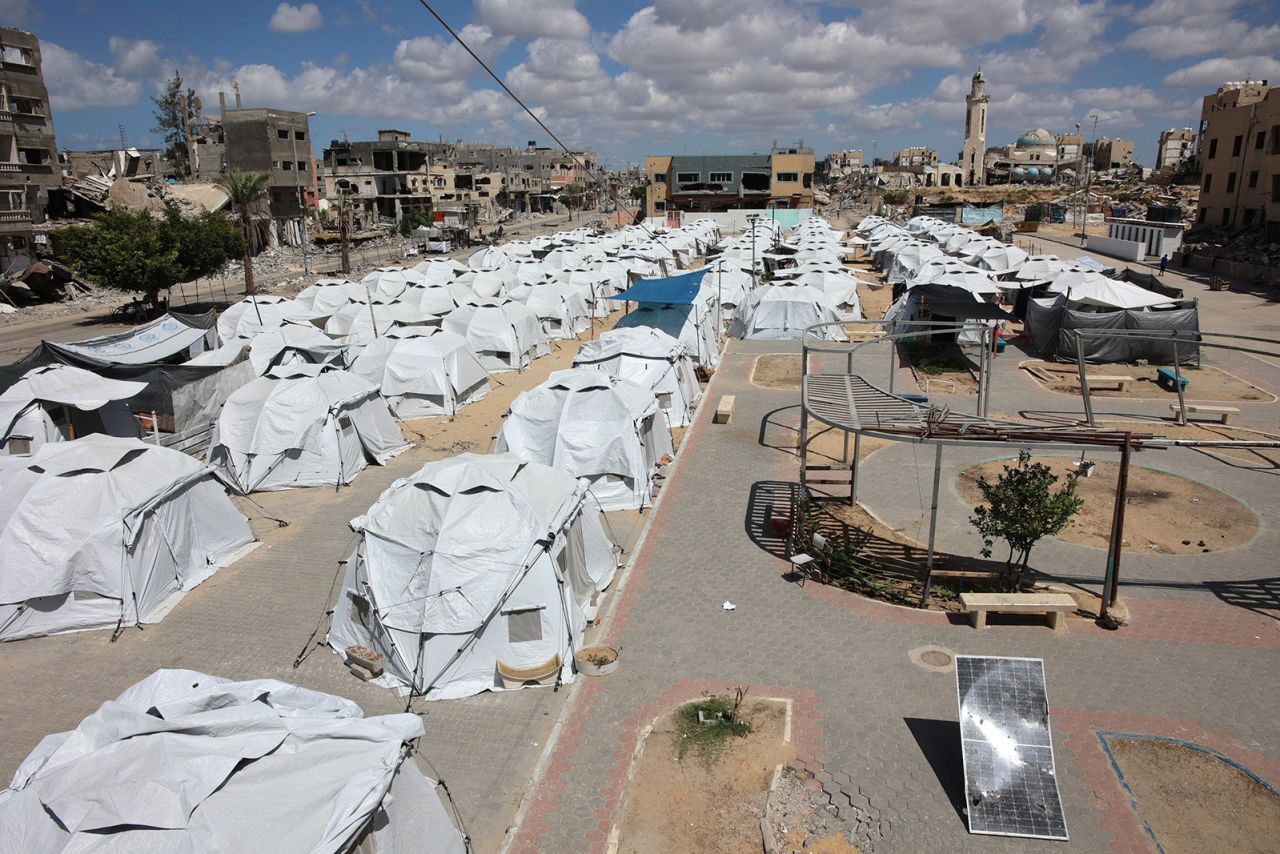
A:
(631, 78)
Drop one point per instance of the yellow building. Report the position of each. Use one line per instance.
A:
(1240, 157)
(701, 183)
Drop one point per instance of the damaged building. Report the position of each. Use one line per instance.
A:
(782, 178)
(29, 166)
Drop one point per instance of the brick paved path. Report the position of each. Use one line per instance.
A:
(883, 730)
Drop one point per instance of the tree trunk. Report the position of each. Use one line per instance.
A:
(248, 254)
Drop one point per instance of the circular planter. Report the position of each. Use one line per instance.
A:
(596, 660)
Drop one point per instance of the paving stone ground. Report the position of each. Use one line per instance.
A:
(876, 731)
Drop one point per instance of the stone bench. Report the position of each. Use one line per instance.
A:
(1121, 383)
(724, 409)
(1224, 412)
(1054, 605)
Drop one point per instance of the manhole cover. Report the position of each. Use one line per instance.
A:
(938, 659)
(935, 658)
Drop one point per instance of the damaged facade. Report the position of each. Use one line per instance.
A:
(29, 166)
(721, 182)
(1239, 157)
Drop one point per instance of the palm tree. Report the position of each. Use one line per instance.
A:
(246, 189)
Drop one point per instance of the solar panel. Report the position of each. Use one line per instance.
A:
(1009, 778)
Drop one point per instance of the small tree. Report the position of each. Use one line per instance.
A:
(1021, 507)
(246, 189)
(171, 123)
(411, 219)
(135, 251)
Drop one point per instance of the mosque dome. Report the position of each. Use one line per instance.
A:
(1036, 138)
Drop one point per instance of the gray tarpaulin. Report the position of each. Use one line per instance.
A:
(185, 762)
(1052, 328)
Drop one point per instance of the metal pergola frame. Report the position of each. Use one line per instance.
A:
(895, 418)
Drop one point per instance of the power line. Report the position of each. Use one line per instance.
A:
(496, 79)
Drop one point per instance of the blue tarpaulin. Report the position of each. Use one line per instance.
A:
(674, 290)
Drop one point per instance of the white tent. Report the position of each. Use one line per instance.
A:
(560, 307)
(255, 314)
(186, 762)
(506, 335)
(1098, 290)
(910, 258)
(302, 429)
(472, 566)
(105, 531)
(294, 343)
(593, 425)
(692, 325)
(1003, 259)
(53, 403)
(326, 296)
(652, 358)
(422, 373)
(784, 312)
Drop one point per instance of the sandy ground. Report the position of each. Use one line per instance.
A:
(709, 806)
(1204, 384)
(473, 429)
(1166, 514)
(1194, 802)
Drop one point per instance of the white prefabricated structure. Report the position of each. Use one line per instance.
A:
(183, 762)
(595, 426)
(784, 312)
(54, 403)
(423, 372)
(105, 531)
(473, 566)
(507, 336)
(294, 343)
(561, 308)
(255, 314)
(302, 429)
(652, 358)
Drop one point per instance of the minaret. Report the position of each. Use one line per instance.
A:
(975, 133)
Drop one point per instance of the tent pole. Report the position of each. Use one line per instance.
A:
(982, 374)
(991, 355)
(933, 526)
(1084, 381)
(1177, 379)
(893, 348)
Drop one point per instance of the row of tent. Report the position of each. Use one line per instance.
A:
(473, 567)
(603, 427)
(963, 274)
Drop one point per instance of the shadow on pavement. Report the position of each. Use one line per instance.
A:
(1260, 595)
(939, 741)
(769, 498)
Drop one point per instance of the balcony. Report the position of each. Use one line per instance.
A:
(6, 116)
(23, 216)
(10, 167)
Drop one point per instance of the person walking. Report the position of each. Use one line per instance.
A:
(1164, 263)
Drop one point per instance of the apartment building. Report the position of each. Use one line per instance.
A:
(1176, 147)
(381, 178)
(1239, 157)
(916, 155)
(28, 151)
(720, 182)
(844, 162)
(277, 142)
(1111, 153)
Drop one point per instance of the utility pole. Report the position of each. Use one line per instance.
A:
(1088, 184)
(344, 232)
(297, 183)
(1075, 207)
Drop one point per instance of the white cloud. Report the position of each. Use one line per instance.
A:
(134, 58)
(1212, 73)
(554, 19)
(946, 22)
(1121, 98)
(296, 19)
(1203, 34)
(76, 83)
(15, 11)
(442, 60)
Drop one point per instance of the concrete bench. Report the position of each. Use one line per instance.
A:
(1225, 412)
(1052, 604)
(724, 409)
(1108, 379)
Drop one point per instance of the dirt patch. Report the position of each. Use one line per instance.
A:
(804, 821)
(941, 368)
(1193, 801)
(778, 370)
(682, 799)
(1206, 383)
(1166, 514)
